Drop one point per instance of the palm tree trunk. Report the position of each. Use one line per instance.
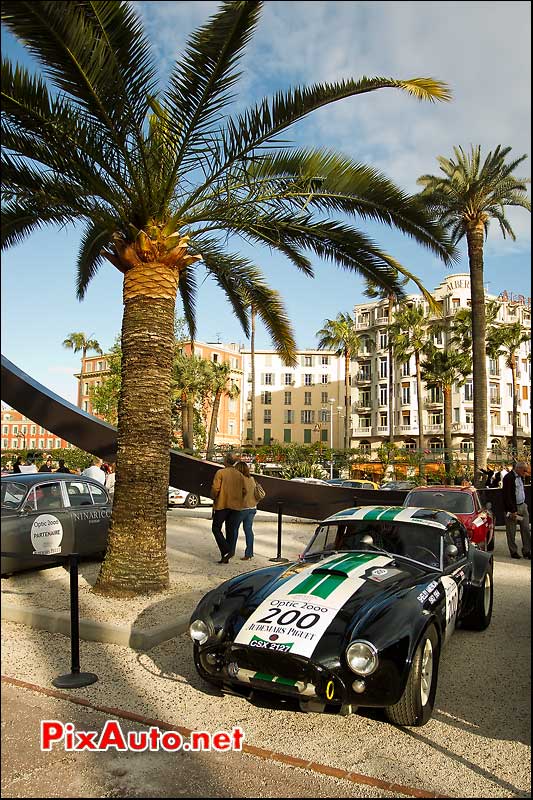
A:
(252, 369)
(346, 399)
(185, 421)
(190, 420)
(474, 238)
(136, 559)
(213, 423)
(391, 372)
(420, 406)
(447, 414)
(514, 440)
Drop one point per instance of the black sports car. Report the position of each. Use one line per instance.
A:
(47, 515)
(359, 620)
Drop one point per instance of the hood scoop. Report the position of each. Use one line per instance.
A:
(331, 571)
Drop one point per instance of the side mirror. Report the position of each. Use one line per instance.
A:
(451, 551)
(488, 506)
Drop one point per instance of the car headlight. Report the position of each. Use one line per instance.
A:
(199, 631)
(362, 658)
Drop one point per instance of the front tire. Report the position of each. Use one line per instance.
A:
(218, 683)
(192, 501)
(490, 546)
(479, 618)
(416, 704)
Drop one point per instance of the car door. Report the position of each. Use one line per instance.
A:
(482, 520)
(91, 511)
(40, 532)
(455, 574)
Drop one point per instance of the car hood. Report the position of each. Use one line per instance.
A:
(306, 602)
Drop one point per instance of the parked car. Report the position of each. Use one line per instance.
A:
(465, 503)
(180, 497)
(354, 484)
(390, 485)
(46, 515)
(358, 620)
(318, 481)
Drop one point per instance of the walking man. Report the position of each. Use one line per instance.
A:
(228, 491)
(514, 504)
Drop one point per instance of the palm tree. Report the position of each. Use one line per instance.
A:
(506, 341)
(339, 334)
(220, 384)
(466, 198)
(443, 369)
(77, 342)
(161, 182)
(409, 334)
(375, 291)
(191, 376)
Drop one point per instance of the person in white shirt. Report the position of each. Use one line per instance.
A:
(95, 471)
(30, 465)
(110, 480)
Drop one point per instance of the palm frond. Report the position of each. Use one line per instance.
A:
(95, 237)
(204, 75)
(187, 289)
(244, 285)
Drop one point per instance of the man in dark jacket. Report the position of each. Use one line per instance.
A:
(515, 507)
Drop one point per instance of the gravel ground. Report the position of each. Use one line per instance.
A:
(476, 745)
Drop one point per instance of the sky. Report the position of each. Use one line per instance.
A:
(482, 50)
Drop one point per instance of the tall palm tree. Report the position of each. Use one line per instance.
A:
(467, 197)
(409, 335)
(220, 384)
(79, 342)
(443, 369)
(506, 340)
(161, 182)
(339, 334)
(375, 291)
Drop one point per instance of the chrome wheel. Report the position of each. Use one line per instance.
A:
(487, 594)
(426, 672)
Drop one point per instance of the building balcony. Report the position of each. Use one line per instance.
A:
(433, 403)
(407, 428)
(362, 431)
(495, 401)
(462, 427)
(499, 430)
(433, 428)
(361, 407)
(360, 325)
(383, 428)
(364, 377)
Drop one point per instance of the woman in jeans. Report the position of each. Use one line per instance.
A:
(247, 514)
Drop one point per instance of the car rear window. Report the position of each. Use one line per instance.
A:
(456, 502)
(79, 493)
(99, 495)
(12, 494)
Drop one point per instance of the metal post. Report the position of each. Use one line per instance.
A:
(75, 679)
(278, 558)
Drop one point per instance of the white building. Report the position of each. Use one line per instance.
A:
(370, 380)
(303, 404)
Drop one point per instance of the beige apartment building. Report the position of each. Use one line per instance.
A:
(302, 404)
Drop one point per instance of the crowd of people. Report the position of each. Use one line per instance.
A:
(99, 470)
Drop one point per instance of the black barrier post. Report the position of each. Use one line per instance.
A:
(278, 558)
(74, 679)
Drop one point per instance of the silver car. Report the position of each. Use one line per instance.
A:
(48, 515)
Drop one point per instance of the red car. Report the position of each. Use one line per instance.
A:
(464, 502)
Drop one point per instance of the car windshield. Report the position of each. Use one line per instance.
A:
(13, 494)
(456, 502)
(417, 542)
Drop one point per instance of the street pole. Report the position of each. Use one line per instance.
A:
(331, 401)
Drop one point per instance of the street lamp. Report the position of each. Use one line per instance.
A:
(331, 402)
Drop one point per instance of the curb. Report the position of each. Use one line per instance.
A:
(91, 631)
(258, 752)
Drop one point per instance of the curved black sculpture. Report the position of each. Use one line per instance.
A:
(44, 407)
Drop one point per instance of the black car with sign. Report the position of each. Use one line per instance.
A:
(359, 620)
(49, 514)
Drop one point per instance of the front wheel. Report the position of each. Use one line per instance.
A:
(202, 671)
(490, 546)
(192, 500)
(479, 618)
(416, 704)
